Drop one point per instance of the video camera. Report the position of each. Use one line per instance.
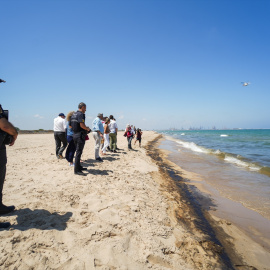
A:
(5, 138)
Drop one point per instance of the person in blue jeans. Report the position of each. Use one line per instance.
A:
(71, 149)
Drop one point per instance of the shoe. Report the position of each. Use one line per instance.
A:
(80, 173)
(4, 225)
(114, 151)
(99, 159)
(6, 209)
(71, 165)
(109, 148)
(117, 148)
(83, 169)
(60, 157)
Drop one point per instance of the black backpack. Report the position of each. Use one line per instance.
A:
(75, 123)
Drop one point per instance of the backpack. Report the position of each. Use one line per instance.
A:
(75, 123)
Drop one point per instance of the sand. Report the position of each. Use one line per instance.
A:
(126, 213)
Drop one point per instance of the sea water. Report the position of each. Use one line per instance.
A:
(236, 163)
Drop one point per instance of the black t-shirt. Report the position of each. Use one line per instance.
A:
(77, 118)
(2, 146)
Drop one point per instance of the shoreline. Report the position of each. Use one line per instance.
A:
(228, 234)
(190, 213)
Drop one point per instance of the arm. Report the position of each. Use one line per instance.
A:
(83, 126)
(100, 127)
(116, 128)
(64, 124)
(6, 126)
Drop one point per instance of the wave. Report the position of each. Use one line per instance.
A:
(193, 146)
(224, 135)
(236, 160)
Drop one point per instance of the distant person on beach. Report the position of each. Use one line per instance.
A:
(59, 129)
(138, 136)
(129, 134)
(71, 149)
(8, 136)
(106, 136)
(116, 136)
(102, 140)
(80, 131)
(113, 134)
(98, 131)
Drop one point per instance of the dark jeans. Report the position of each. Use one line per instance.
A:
(79, 141)
(70, 149)
(129, 139)
(3, 162)
(60, 137)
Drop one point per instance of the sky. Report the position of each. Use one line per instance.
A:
(156, 64)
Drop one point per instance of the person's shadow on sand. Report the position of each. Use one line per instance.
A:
(40, 219)
(100, 172)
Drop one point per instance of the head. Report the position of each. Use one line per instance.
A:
(111, 117)
(100, 116)
(107, 121)
(62, 115)
(69, 115)
(82, 107)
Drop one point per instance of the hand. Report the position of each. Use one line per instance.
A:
(14, 138)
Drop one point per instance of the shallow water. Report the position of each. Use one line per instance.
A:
(227, 172)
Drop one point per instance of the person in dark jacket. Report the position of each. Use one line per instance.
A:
(80, 131)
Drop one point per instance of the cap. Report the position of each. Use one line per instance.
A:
(61, 114)
(100, 114)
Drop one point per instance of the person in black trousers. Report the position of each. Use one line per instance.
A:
(7, 131)
(59, 129)
(71, 149)
(80, 130)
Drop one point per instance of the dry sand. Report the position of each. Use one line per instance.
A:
(125, 214)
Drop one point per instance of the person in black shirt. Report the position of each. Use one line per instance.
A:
(80, 130)
(5, 128)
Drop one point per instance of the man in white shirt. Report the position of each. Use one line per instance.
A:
(113, 133)
(60, 135)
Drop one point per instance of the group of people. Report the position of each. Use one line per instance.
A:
(71, 133)
(132, 132)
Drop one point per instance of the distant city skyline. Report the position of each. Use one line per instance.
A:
(154, 64)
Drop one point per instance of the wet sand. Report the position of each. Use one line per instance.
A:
(243, 232)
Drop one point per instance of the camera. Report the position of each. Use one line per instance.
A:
(5, 138)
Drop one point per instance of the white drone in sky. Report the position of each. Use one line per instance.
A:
(245, 83)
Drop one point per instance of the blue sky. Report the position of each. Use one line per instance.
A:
(155, 64)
